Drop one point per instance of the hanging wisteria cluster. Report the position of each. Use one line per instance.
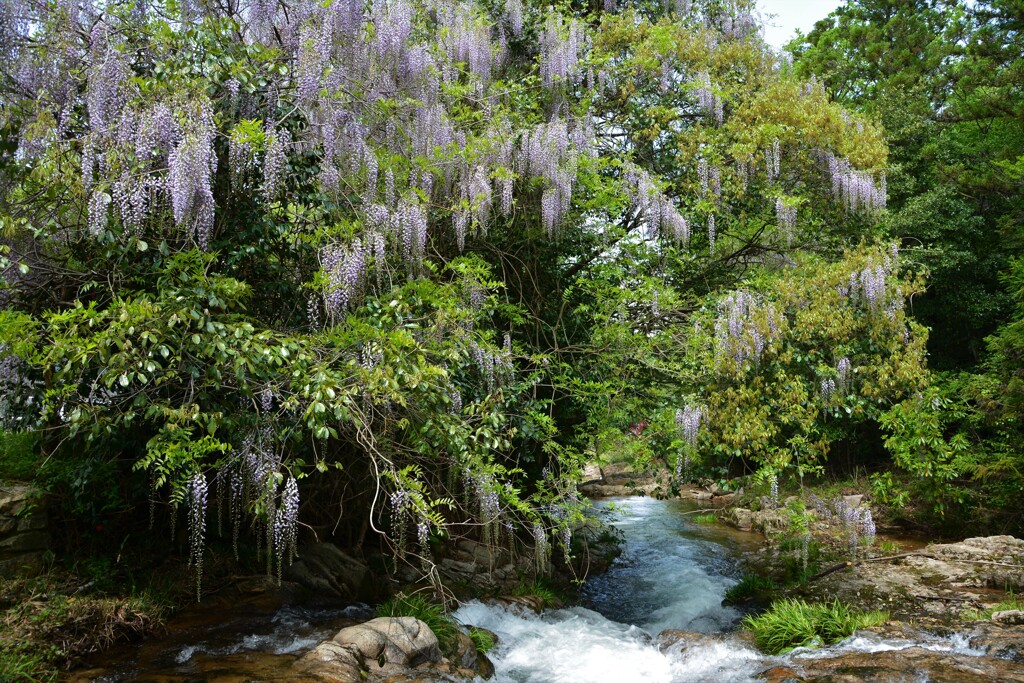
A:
(709, 104)
(868, 287)
(348, 58)
(856, 522)
(561, 45)
(840, 385)
(655, 208)
(743, 328)
(197, 495)
(710, 179)
(785, 216)
(485, 490)
(844, 376)
(285, 523)
(740, 26)
(249, 484)
(688, 422)
(855, 190)
(773, 159)
(401, 508)
(550, 152)
(828, 388)
(541, 548)
(495, 366)
(345, 267)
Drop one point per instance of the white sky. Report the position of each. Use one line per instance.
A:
(792, 15)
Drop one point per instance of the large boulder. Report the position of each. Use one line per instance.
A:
(908, 664)
(988, 561)
(24, 539)
(329, 662)
(468, 658)
(998, 640)
(328, 572)
(766, 521)
(390, 644)
(1010, 617)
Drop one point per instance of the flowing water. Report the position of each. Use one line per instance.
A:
(672, 574)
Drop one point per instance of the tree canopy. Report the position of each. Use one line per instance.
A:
(401, 267)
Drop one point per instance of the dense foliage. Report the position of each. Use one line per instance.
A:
(944, 80)
(401, 267)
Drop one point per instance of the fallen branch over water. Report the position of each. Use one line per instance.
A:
(844, 565)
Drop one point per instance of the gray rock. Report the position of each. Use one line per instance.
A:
(998, 640)
(992, 561)
(909, 664)
(24, 542)
(741, 518)
(1011, 617)
(326, 570)
(618, 474)
(769, 521)
(592, 474)
(15, 499)
(330, 663)
(389, 643)
(853, 501)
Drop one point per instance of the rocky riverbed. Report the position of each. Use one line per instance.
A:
(672, 575)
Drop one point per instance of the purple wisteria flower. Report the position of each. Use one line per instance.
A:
(197, 496)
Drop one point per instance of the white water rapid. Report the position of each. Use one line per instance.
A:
(667, 577)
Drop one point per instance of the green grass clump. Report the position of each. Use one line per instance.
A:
(482, 639)
(750, 586)
(790, 624)
(708, 518)
(430, 613)
(548, 597)
(48, 624)
(1012, 602)
(24, 662)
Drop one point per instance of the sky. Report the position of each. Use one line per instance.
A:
(792, 15)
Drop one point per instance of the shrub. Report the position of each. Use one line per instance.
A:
(794, 623)
(19, 455)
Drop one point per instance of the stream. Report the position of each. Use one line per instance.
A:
(672, 574)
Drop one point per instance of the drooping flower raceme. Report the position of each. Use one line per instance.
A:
(744, 327)
(561, 44)
(197, 495)
(286, 525)
(192, 165)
